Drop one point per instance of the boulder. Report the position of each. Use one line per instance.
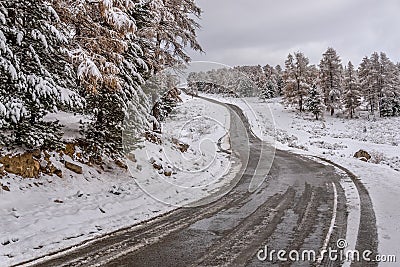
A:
(362, 155)
(4, 187)
(153, 138)
(24, 165)
(73, 167)
(157, 166)
(37, 153)
(131, 157)
(121, 164)
(180, 145)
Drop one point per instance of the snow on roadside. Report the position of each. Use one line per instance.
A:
(43, 215)
(338, 139)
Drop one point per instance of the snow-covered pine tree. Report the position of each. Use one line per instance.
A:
(365, 79)
(270, 88)
(390, 86)
(279, 80)
(380, 84)
(252, 78)
(330, 79)
(314, 101)
(35, 76)
(165, 30)
(297, 79)
(375, 77)
(269, 91)
(351, 97)
(245, 87)
(110, 66)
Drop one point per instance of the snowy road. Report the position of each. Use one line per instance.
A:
(301, 206)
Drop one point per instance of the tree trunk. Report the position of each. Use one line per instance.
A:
(301, 104)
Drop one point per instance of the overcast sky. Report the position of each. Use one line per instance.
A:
(251, 32)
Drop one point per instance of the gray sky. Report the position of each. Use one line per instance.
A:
(250, 32)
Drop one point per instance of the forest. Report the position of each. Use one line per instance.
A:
(374, 86)
(89, 58)
(93, 58)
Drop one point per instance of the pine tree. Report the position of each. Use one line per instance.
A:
(269, 91)
(279, 80)
(389, 87)
(380, 84)
(110, 65)
(36, 77)
(330, 79)
(115, 46)
(314, 101)
(252, 78)
(365, 78)
(297, 79)
(165, 30)
(351, 97)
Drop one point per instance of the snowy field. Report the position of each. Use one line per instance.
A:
(39, 216)
(338, 139)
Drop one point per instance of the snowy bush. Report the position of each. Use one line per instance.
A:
(377, 157)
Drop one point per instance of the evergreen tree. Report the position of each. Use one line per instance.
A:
(380, 84)
(279, 80)
(314, 101)
(165, 30)
(36, 77)
(389, 87)
(269, 91)
(330, 79)
(365, 79)
(297, 79)
(351, 90)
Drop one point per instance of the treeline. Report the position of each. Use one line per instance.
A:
(87, 57)
(330, 86)
(245, 81)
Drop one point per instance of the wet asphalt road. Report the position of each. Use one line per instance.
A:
(292, 209)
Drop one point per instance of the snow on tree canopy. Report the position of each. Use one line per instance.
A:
(35, 77)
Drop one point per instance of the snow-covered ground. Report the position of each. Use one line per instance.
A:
(42, 215)
(338, 139)
(47, 214)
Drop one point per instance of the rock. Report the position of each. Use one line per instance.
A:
(152, 137)
(131, 157)
(70, 149)
(5, 188)
(73, 167)
(58, 173)
(362, 155)
(180, 145)
(24, 165)
(120, 164)
(37, 153)
(168, 172)
(157, 166)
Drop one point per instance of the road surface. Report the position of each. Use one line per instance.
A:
(300, 206)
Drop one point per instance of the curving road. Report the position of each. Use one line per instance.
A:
(300, 206)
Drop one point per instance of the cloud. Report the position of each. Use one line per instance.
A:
(237, 32)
